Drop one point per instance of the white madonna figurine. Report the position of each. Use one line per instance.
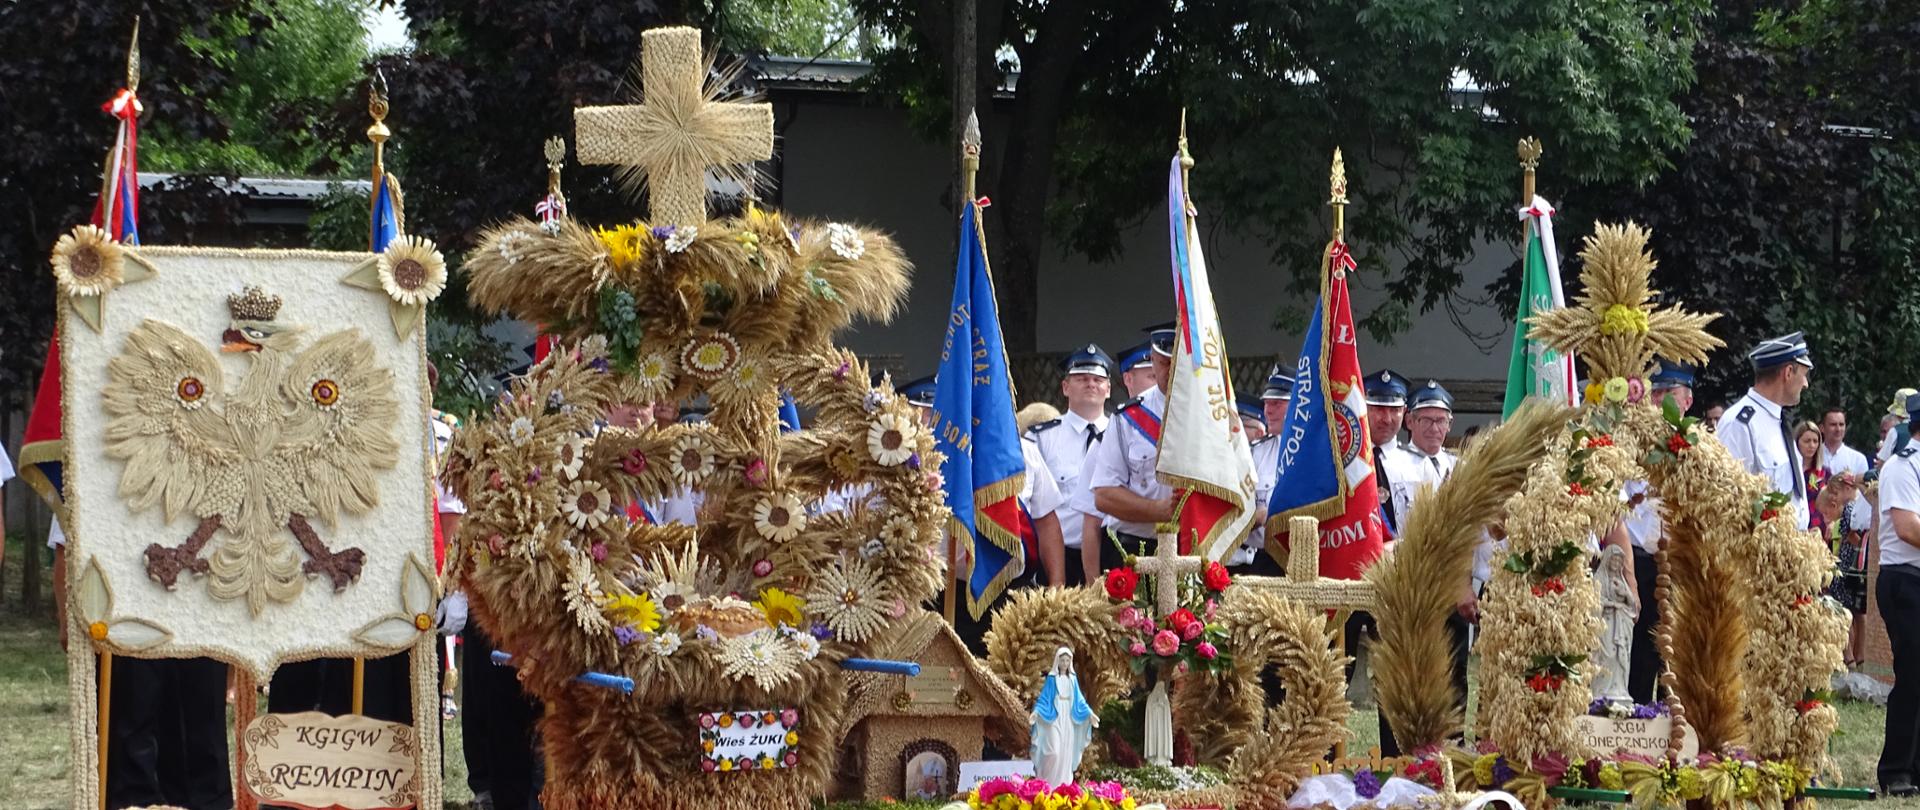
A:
(1061, 723)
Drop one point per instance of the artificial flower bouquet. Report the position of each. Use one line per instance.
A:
(1187, 638)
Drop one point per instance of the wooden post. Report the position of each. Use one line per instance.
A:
(106, 714)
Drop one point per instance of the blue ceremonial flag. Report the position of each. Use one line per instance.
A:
(386, 210)
(975, 429)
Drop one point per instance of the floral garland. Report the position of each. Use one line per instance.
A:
(1721, 780)
(1188, 638)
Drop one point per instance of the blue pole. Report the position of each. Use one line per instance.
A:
(600, 679)
(881, 665)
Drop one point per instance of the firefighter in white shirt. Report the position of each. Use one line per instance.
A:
(1066, 442)
(1121, 471)
(1274, 400)
(1754, 428)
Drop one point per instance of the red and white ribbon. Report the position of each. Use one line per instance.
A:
(124, 105)
(550, 208)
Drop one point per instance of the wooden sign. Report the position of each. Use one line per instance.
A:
(1609, 736)
(318, 761)
(749, 740)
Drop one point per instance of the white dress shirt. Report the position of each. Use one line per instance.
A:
(1751, 431)
(1899, 489)
(1066, 443)
(1126, 458)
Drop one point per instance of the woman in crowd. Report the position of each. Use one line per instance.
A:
(1845, 533)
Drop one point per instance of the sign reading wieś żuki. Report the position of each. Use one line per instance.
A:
(750, 740)
(317, 760)
(1608, 736)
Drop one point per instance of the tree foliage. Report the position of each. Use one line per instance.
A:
(1792, 207)
(1270, 89)
(58, 62)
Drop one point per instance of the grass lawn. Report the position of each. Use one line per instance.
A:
(33, 720)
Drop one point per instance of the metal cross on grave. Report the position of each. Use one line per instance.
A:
(677, 132)
(1167, 566)
(1303, 584)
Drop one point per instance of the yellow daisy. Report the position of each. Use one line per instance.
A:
(781, 608)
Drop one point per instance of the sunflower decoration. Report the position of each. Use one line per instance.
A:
(572, 454)
(765, 656)
(693, 460)
(626, 245)
(411, 272)
(782, 609)
(779, 517)
(586, 505)
(711, 357)
(850, 600)
(88, 264)
(633, 610)
(890, 439)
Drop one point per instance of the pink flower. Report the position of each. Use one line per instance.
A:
(1636, 388)
(756, 473)
(1069, 791)
(1165, 643)
(996, 787)
(1129, 616)
(762, 568)
(1032, 789)
(1211, 607)
(789, 717)
(1108, 791)
(1180, 670)
(634, 463)
(598, 551)
(1206, 650)
(898, 609)
(1192, 630)
(1137, 648)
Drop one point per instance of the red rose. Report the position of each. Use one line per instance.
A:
(1216, 577)
(1121, 582)
(1677, 443)
(1179, 619)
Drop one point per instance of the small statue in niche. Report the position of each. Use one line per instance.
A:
(1061, 723)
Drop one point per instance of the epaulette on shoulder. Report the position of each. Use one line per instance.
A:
(1907, 452)
(1128, 404)
(1047, 425)
(1745, 415)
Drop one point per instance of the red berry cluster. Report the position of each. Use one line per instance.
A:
(1677, 443)
(1769, 513)
(1576, 489)
(1602, 440)
(1802, 600)
(1549, 585)
(1807, 705)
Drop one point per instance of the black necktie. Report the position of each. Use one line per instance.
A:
(1793, 455)
(1386, 499)
(1093, 434)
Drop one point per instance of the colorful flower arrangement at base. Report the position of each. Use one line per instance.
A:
(1728, 779)
(1006, 793)
(1624, 709)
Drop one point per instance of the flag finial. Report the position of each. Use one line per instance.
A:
(1530, 153)
(1337, 194)
(969, 156)
(377, 107)
(556, 153)
(133, 57)
(1186, 157)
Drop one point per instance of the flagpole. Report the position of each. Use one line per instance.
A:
(1337, 199)
(378, 133)
(969, 170)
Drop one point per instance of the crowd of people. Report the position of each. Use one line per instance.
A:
(1095, 499)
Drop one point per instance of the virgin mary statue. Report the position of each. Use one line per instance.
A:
(1061, 723)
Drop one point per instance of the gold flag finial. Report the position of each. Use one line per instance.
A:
(377, 107)
(133, 57)
(556, 152)
(1337, 180)
(1186, 158)
(1530, 153)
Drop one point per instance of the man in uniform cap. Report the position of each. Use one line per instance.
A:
(1274, 399)
(1066, 442)
(1136, 370)
(1754, 429)
(1253, 418)
(1386, 407)
(1898, 593)
(1643, 531)
(1122, 470)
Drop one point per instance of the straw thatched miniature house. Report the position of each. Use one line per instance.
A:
(927, 724)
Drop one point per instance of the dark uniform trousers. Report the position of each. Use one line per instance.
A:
(502, 746)
(1899, 595)
(167, 735)
(326, 685)
(1644, 664)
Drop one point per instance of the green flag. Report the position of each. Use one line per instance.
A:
(1536, 370)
